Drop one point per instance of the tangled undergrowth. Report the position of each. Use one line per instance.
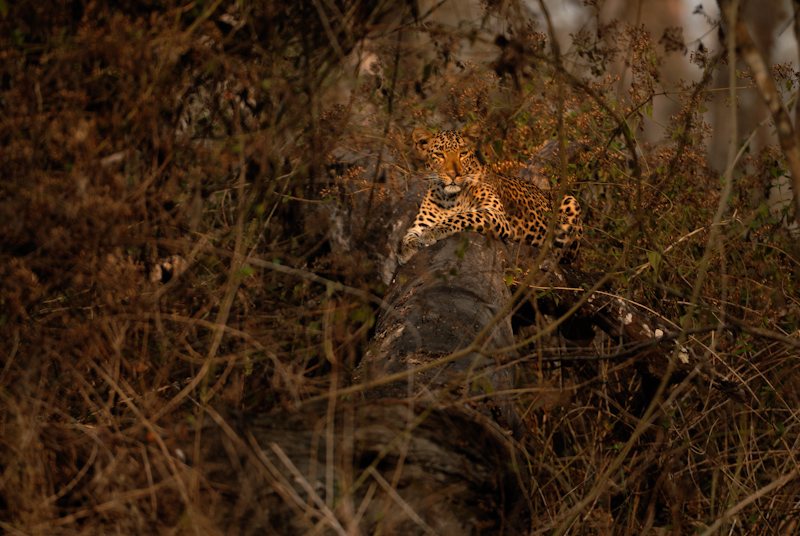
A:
(275, 163)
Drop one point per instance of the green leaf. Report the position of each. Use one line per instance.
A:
(654, 258)
(497, 145)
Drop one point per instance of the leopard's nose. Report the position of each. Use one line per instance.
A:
(452, 175)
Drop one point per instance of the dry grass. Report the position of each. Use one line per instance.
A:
(220, 134)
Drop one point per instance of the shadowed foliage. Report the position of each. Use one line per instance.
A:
(201, 204)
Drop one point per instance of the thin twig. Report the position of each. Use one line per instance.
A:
(303, 482)
(750, 499)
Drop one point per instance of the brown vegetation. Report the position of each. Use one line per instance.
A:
(265, 146)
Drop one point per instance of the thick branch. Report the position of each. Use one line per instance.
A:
(442, 313)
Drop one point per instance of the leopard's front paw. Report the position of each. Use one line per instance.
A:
(409, 247)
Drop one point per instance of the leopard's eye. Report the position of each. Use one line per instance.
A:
(438, 155)
(464, 154)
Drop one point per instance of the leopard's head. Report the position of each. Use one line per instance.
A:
(450, 154)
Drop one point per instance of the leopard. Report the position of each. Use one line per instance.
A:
(465, 194)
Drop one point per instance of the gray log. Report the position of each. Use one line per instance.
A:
(416, 456)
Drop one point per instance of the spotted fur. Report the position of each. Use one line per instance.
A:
(464, 195)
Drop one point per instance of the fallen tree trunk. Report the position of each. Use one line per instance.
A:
(446, 321)
(426, 449)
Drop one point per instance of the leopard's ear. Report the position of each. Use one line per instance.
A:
(421, 139)
(473, 133)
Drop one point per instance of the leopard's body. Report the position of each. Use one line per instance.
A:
(463, 194)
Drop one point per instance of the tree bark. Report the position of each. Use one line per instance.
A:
(426, 448)
(445, 313)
